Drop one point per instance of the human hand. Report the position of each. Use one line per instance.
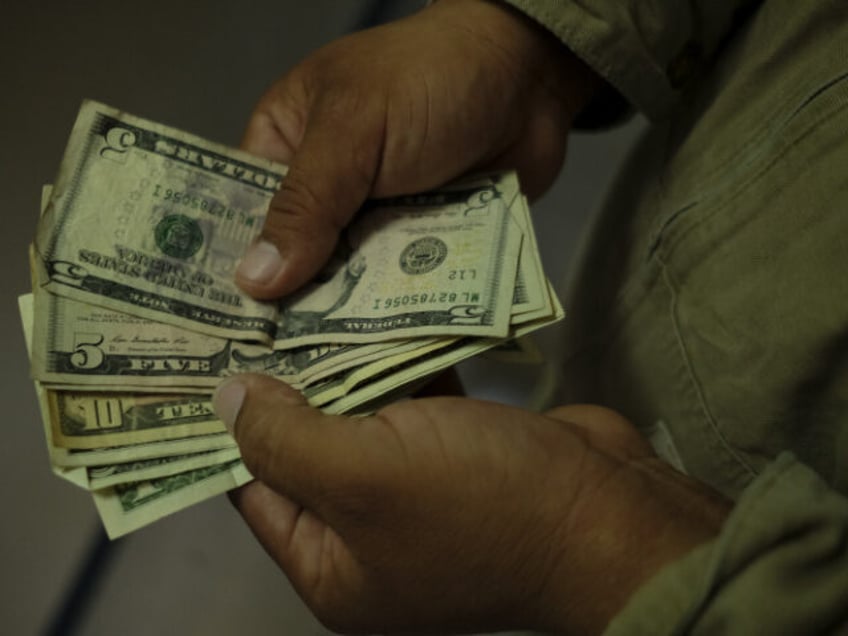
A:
(462, 85)
(450, 514)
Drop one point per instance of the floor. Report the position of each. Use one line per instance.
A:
(200, 571)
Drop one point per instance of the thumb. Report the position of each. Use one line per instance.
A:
(296, 449)
(330, 176)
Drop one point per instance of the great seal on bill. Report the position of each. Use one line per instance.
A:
(423, 255)
(178, 236)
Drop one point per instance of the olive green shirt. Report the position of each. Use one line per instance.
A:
(711, 295)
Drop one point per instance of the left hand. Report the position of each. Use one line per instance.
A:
(449, 514)
(460, 86)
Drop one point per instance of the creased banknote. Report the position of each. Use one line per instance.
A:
(152, 221)
(136, 316)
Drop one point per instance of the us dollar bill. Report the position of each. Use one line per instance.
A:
(104, 476)
(392, 381)
(127, 507)
(83, 420)
(532, 298)
(442, 263)
(100, 477)
(339, 384)
(82, 346)
(137, 317)
(110, 455)
(152, 221)
(70, 463)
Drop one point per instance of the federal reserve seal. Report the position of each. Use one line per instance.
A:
(178, 236)
(423, 255)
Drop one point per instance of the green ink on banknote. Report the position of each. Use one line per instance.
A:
(178, 236)
(423, 255)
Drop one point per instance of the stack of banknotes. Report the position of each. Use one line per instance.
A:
(135, 317)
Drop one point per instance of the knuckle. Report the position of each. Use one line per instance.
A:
(299, 210)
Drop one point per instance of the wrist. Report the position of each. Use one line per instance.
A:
(642, 516)
(530, 45)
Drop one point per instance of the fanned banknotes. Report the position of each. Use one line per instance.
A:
(135, 318)
(152, 221)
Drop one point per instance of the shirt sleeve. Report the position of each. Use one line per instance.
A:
(647, 50)
(779, 566)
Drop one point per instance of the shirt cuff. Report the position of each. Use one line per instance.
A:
(779, 565)
(639, 58)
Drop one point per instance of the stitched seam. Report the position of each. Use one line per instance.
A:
(690, 370)
(769, 149)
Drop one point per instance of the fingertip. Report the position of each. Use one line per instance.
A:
(275, 266)
(278, 433)
(274, 131)
(227, 401)
(262, 270)
(230, 396)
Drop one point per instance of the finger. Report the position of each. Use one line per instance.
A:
(271, 516)
(290, 534)
(537, 154)
(330, 176)
(274, 134)
(604, 428)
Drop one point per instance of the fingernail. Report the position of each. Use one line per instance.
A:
(261, 263)
(227, 400)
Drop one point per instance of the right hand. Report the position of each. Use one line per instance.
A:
(462, 85)
(443, 515)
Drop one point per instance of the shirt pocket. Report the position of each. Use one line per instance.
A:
(756, 265)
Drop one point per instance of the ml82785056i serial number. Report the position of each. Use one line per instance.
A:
(426, 298)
